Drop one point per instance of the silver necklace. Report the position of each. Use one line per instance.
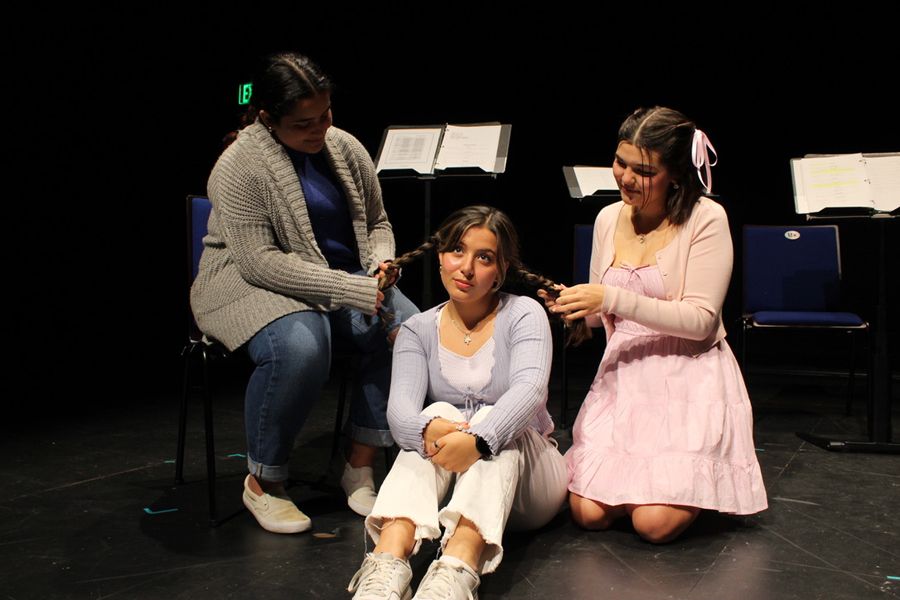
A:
(467, 333)
(642, 237)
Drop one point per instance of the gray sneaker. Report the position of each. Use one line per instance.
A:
(381, 577)
(446, 581)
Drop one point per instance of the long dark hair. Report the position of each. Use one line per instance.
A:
(510, 265)
(281, 81)
(670, 134)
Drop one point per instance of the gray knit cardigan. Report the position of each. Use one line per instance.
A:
(260, 259)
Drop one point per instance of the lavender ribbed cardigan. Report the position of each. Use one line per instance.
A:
(517, 388)
(260, 259)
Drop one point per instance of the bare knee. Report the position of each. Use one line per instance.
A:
(656, 532)
(661, 524)
(590, 514)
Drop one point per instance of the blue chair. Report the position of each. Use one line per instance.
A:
(344, 360)
(792, 277)
(584, 242)
(198, 209)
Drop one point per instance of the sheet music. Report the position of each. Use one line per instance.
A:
(595, 179)
(469, 146)
(801, 204)
(832, 182)
(884, 175)
(412, 148)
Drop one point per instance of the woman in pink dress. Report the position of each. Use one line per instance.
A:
(666, 429)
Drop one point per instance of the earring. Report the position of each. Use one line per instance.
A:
(675, 185)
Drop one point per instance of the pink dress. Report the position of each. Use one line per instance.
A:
(660, 426)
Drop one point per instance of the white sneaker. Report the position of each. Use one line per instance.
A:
(449, 578)
(359, 485)
(277, 514)
(381, 577)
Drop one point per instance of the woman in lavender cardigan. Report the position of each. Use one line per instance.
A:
(467, 403)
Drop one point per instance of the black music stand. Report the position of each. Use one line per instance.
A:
(820, 193)
(879, 401)
(427, 178)
(593, 197)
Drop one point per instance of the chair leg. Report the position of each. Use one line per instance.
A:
(850, 379)
(867, 394)
(871, 385)
(210, 444)
(745, 333)
(564, 375)
(182, 415)
(339, 417)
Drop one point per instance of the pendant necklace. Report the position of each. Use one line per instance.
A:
(467, 333)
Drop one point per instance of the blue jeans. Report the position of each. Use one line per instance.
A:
(293, 357)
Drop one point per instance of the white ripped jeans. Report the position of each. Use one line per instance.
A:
(525, 484)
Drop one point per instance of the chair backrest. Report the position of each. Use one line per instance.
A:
(584, 239)
(198, 209)
(791, 268)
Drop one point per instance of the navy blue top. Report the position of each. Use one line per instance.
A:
(328, 211)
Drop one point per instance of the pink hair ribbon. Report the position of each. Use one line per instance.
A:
(700, 156)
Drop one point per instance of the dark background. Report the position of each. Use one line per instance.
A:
(116, 114)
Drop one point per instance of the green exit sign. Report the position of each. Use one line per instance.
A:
(245, 90)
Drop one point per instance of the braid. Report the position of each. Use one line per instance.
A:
(579, 331)
(534, 280)
(393, 272)
(401, 261)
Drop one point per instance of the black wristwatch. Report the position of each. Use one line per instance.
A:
(483, 448)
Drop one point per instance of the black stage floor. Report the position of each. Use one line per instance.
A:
(89, 511)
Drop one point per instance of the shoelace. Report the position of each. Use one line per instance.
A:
(376, 577)
(440, 581)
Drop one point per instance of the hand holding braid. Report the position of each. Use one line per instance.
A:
(389, 273)
(579, 330)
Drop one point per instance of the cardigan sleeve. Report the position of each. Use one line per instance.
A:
(530, 354)
(240, 200)
(409, 385)
(696, 315)
(601, 238)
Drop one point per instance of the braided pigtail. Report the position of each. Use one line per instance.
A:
(394, 266)
(579, 331)
(392, 273)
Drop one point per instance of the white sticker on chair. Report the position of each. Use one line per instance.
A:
(793, 234)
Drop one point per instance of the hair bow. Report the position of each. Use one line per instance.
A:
(700, 156)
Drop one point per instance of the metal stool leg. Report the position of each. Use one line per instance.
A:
(210, 443)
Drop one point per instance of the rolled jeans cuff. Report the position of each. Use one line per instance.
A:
(380, 438)
(266, 472)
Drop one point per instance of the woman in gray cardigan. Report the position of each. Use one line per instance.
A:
(468, 403)
(298, 240)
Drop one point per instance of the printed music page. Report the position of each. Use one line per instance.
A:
(469, 146)
(410, 149)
